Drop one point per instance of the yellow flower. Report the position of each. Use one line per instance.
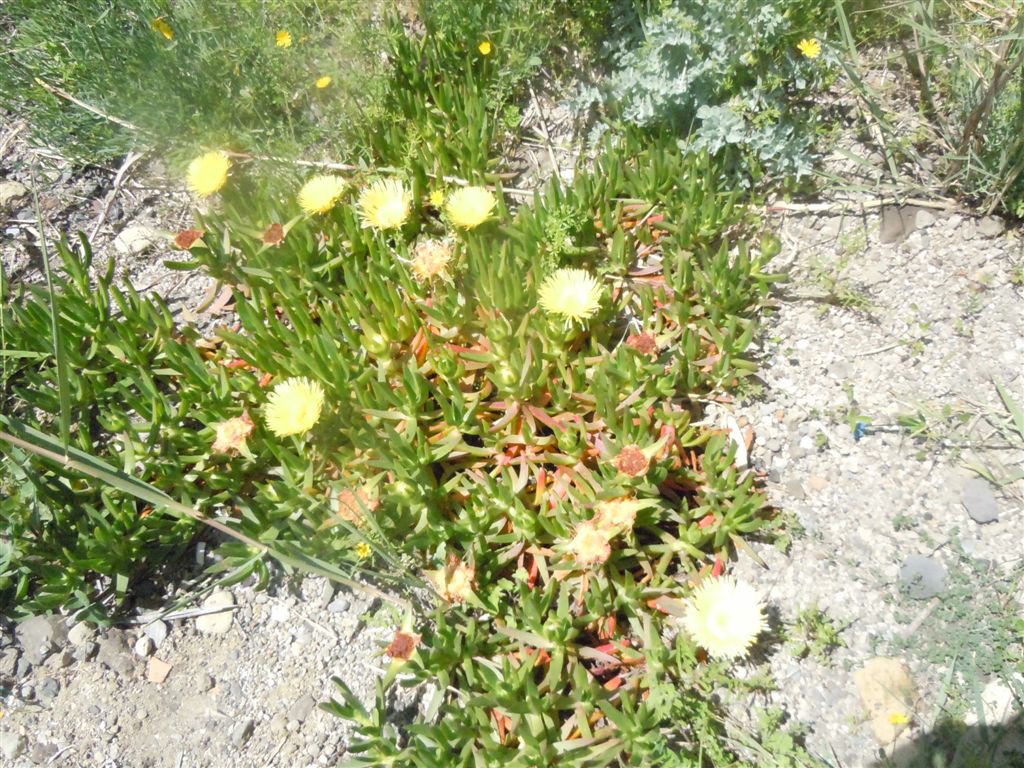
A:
(231, 434)
(323, 82)
(899, 718)
(437, 198)
(430, 259)
(470, 207)
(385, 204)
(485, 48)
(809, 47)
(363, 550)
(208, 173)
(294, 406)
(572, 293)
(589, 545)
(725, 617)
(283, 39)
(319, 194)
(160, 25)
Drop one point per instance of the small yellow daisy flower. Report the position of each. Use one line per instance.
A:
(323, 82)
(809, 47)
(283, 39)
(437, 198)
(385, 204)
(485, 48)
(725, 617)
(208, 173)
(294, 406)
(574, 294)
(320, 193)
(363, 550)
(470, 207)
(160, 25)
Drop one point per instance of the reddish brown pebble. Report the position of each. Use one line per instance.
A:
(157, 670)
(631, 461)
(188, 237)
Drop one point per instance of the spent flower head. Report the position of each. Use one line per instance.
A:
(320, 193)
(231, 434)
(616, 515)
(208, 173)
(573, 294)
(469, 207)
(809, 47)
(725, 616)
(589, 545)
(294, 406)
(385, 204)
(430, 259)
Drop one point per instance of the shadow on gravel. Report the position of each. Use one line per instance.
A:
(952, 744)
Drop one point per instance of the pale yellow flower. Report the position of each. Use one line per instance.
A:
(320, 193)
(294, 406)
(363, 550)
(160, 25)
(385, 204)
(809, 47)
(323, 82)
(437, 198)
(231, 434)
(430, 259)
(573, 294)
(616, 516)
(485, 48)
(589, 546)
(208, 173)
(470, 207)
(725, 617)
(283, 39)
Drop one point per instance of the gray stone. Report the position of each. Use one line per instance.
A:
(12, 745)
(925, 218)
(278, 724)
(9, 662)
(40, 636)
(241, 732)
(42, 752)
(216, 623)
(48, 689)
(144, 646)
(299, 711)
(137, 239)
(23, 668)
(795, 490)
(113, 654)
(922, 577)
(204, 683)
(325, 596)
(11, 191)
(979, 501)
(81, 633)
(158, 631)
(991, 226)
(339, 604)
(86, 651)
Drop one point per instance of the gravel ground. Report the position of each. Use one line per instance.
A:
(941, 319)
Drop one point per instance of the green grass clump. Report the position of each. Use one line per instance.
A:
(190, 74)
